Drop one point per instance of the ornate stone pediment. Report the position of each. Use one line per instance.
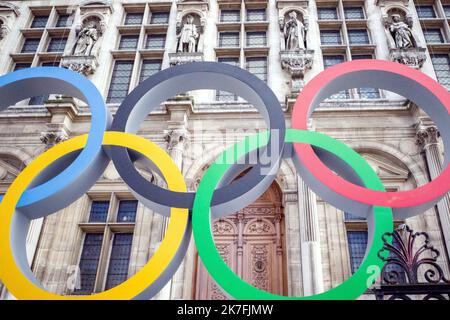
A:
(387, 170)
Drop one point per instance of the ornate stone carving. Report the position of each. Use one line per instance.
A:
(85, 65)
(191, 21)
(402, 33)
(427, 135)
(3, 30)
(402, 43)
(88, 34)
(297, 62)
(294, 32)
(179, 58)
(188, 36)
(294, 56)
(175, 137)
(412, 57)
(50, 138)
(8, 13)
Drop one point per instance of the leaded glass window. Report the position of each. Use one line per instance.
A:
(39, 22)
(149, 67)
(224, 95)
(229, 39)
(128, 42)
(256, 14)
(159, 18)
(40, 100)
(358, 36)
(446, 10)
(21, 65)
(230, 15)
(433, 35)
(99, 211)
(354, 13)
(258, 67)
(64, 20)
(327, 13)
(352, 217)
(441, 64)
(127, 211)
(329, 61)
(256, 39)
(426, 11)
(119, 259)
(329, 37)
(120, 81)
(366, 93)
(57, 44)
(30, 45)
(90, 256)
(357, 243)
(155, 41)
(134, 18)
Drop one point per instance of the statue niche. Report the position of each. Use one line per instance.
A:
(295, 57)
(84, 52)
(403, 45)
(189, 39)
(401, 33)
(88, 35)
(188, 36)
(294, 32)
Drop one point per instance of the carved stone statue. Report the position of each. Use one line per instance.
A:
(187, 38)
(3, 30)
(87, 37)
(294, 32)
(401, 33)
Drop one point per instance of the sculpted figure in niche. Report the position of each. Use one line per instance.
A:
(401, 33)
(187, 38)
(87, 37)
(294, 32)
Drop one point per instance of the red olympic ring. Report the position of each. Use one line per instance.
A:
(307, 100)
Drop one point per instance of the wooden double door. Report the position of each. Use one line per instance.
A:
(252, 243)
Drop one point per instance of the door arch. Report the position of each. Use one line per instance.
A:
(252, 243)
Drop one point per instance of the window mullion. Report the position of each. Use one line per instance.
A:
(103, 260)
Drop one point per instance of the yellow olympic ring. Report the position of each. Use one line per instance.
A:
(22, 288)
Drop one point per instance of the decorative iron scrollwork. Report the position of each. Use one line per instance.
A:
(411, 270)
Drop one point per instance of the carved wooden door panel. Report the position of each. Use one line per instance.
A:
(252, 243)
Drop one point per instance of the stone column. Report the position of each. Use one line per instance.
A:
(427, 139)
(309, 240)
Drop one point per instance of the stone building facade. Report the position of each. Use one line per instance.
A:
(289, 241)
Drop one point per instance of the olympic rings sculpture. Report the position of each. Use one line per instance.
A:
(66, 171)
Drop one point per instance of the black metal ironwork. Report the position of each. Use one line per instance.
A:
(411, 270)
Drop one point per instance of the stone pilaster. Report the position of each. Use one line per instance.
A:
(427, 139)
(309, 240)
(176, 137)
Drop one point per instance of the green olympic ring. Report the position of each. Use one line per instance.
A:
(380, 219)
